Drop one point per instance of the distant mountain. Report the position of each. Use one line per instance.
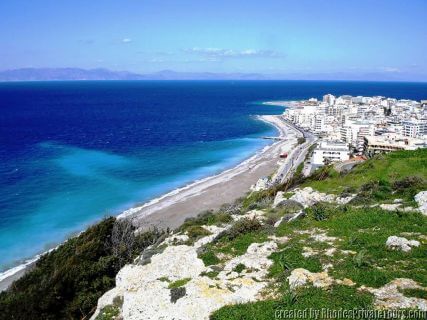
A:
(46, 74)
(51, 74)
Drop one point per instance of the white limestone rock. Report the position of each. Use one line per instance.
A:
(390, 206)
(390, 297)
(176, 239)
(278, 198)
(253, 214)
(300, 277)
(421, 199)
(261, 184)
(214, 230)
(308, 197)
(400, 243)
(146, 295)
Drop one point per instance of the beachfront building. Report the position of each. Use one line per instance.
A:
(330, 151)
(391, 142)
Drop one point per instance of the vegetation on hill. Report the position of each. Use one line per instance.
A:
(67, 282)
(356, 236)
(344, 242)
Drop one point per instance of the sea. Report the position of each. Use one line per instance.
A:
(74, 152)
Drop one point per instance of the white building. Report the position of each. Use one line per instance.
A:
(330, 151)
(415, 128)
(329, 99)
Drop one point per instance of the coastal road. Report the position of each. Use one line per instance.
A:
(296, 156)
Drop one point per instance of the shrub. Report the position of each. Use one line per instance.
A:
(208, 257)
(240, 227)
(207, 218)
(195, 232)
(239, 268)
(290, 206)
(410, 185)
(318, 212)
(361, 259)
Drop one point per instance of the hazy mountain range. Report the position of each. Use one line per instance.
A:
(51, 74)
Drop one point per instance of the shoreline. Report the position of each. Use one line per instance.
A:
(171, 209)
(176, 202)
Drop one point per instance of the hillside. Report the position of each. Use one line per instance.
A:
(361, 244)
(353, 241)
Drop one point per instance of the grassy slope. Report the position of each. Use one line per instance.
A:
(362, 230)
(392, 166)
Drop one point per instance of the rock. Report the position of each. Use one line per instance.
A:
(308, 197)
(280, 240)
(300, 277)
(400, 243)
(177, 293)
(390, 207)
(290, 206)
(146, 294)
(421, 199)
(330, 252)
(323, 237)
(214, 230)
(345, 282)
(297, 215)
(309, 252)
(278, 198)
(176, 239)
(289, 217)
(261, 184)
(390, 297)
(255, 258)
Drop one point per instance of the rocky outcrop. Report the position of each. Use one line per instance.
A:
(308, 197)
(300, 277)
(400, 243)
(421, 199)
(146, 294)
(391, 297)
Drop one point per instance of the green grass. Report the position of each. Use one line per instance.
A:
(364, 231)
(240, 244)
(179, 283)
(338, 297)
(361, 233)
(389, 167)
(209, 257)
(416, 293)
(108, 313)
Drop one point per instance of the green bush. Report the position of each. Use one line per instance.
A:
(240, 227)
(195, 232)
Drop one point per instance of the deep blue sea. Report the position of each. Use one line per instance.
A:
(73, 152)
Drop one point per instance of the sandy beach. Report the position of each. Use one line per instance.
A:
(173, 208)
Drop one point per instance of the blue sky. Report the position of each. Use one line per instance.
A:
(269, 36)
